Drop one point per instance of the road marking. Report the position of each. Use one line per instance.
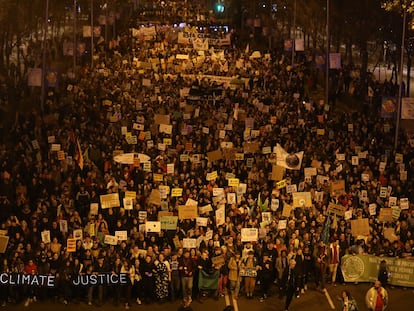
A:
(235, 305)
(227, 299)
(328, 297)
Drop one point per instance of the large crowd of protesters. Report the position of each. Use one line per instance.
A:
(270, 103)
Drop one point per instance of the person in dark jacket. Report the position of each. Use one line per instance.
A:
(290, 282)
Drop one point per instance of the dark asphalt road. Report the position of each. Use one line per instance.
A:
(400, 299)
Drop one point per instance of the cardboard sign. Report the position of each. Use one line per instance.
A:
(372, 209)
(202, 221)
(249, 234)
(282, 224)
(110, 200)
(111, 239)
(45, 236)
(63, 225)
(155, 197)
(338, 187)
(187, 212)
(153, 226)
(336, 209)
(71, 245)
(286, 210)
(189, 243)
(128, 203)
(121, 235)
(214, 155)
(94, 208)
(404, 203)
(78, 234)
(220, 216)
(360, 227)
(302, 199)
(277, 172)
(176, 192)
(169, 222)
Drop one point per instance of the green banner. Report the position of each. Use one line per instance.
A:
(364, 268)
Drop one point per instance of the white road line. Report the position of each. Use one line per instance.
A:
(227, 299)
(235, 305)
(328, 297)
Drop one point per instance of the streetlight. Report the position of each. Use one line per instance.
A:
(397, 126)
(45, 29)
(327, 54)
(294, 35)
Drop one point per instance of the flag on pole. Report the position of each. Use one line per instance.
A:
(80, 155)
(325, 233)
(290, 161)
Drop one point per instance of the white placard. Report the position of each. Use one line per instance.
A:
(153, 226)
(404, 203)
(111, 239)
(189, 243)
(201, 221)
(372, 209)
(121, 235)
(46, 236)
(249, 234)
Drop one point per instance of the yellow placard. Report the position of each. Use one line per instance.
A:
(131, 194)
(176, 192)
(158, 177)
(167, 141)
(239, 156)
(281, 184)
(234, 182)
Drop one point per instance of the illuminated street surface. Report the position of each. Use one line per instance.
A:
(312, 300)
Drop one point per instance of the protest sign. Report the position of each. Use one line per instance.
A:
(336, 209)
(4, 241)
(121, 235)
(169, 222)
(338, 187)
(189, 243)
(110, 200)
(364, 268)
(220, 216)
(111, 239)
(201, 221)
(302, 199)
(360, 227)
(249, 234)
(155, 197)
(71, 245)
(45, 236)
(187, 212)
(286, 210)
(153, 226)
(176, 192)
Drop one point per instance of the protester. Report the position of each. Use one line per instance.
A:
(291, 283)
(208, 134)
(376, 297)
(348, 303)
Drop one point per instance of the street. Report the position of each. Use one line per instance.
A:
(312, 300)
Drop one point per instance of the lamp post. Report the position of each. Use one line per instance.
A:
(45, 29)
(328, 34)
(294, 34)
(400, 89)
(92, 34)
(74, 38)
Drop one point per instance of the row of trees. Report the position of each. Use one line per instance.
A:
(355, 24)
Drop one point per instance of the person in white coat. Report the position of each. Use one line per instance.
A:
(376, 297)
